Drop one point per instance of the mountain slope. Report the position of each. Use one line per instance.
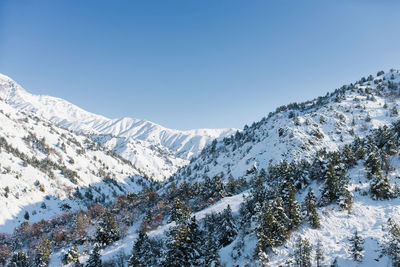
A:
(156, 150)
(297, 131)
(256, 221)
(46, 170)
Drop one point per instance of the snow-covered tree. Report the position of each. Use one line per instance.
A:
(71, 256)
(43, 253)
(292, 207)
(210, 251)
(356, 246)
(141, 251)
(179, 213)
(309, 201)
(392, 245)
(302, 253)
(313, 219)
(107, 230)
(95, 257)
(319, 254)
(227, 230)
(19, 259)
(184, 245)
(380, 187)
(271, 230)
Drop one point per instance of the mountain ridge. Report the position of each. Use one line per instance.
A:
(138, 135)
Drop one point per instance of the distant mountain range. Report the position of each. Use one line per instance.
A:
(157, 151)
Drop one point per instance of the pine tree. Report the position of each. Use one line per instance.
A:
(392, 246)
(72, 256)
(372, 163)
(303, 253)
(356, 247)
(227, 231)
(184, 245)
(107, 231)
(257, 190)
(95, 258)
(336, 183)
(380, 187)
(319, 254)
(19, 259)
(309, 201)
(292, 208)
(271, 230)
(210, 251)
(314, 218)
(281, 232)
(140, 251)
(43, 254)
(179, 213)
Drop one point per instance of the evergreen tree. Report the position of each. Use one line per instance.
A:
(392, 246)
(108, 230)
(319, 254)
(356, 247)
(380, 187)
(257, 190)
(292, 208)
(346, 200)
(179, 213)
(336, 183)
(213, 188)
(19, 259)
(231, 186)
(271, 230)
(349, 157)
(43, 253)
(141, 251)
(303, 253)
(314, 218)
(227, 230)
(210, 251)
(72, 256)
(95, 257)
(372, 163)
(184, 245)
(309, 201)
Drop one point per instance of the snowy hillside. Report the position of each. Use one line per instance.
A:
(313, 184)
(298, 130)
(154, 149)
(46, 170)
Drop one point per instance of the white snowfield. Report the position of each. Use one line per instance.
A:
(157, 151)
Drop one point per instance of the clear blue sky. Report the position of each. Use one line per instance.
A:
(194, 64)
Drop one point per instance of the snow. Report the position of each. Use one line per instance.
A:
(328, 126)
(155, 150)
(29, 187)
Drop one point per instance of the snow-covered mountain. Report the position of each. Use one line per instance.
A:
(46, 170)
(253, 194)
(296, 131)
(156, 150)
